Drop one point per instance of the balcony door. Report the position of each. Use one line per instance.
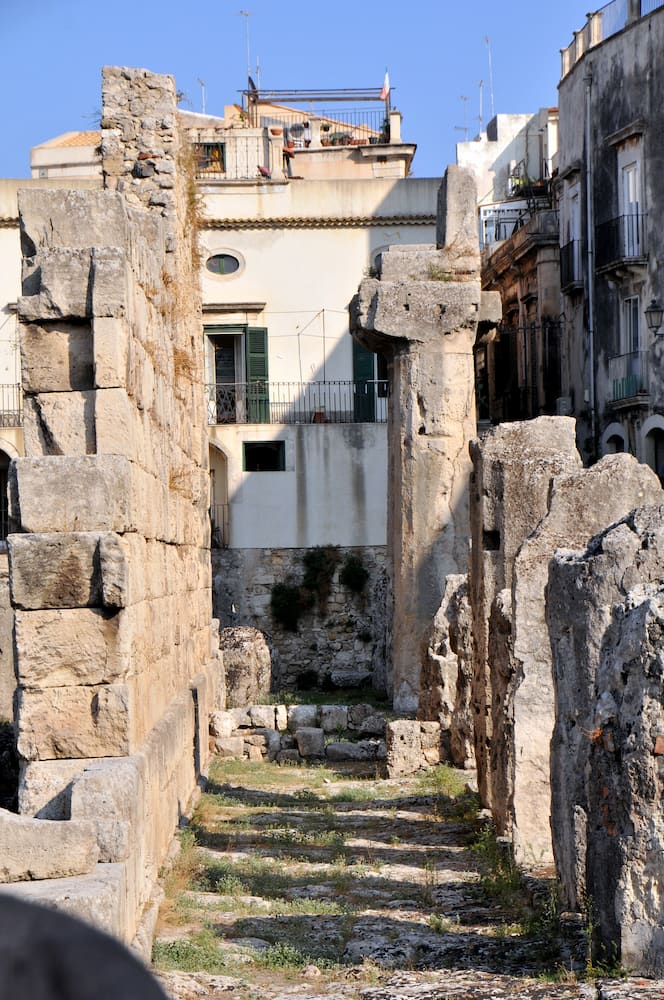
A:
(239, 367)
(631, 209)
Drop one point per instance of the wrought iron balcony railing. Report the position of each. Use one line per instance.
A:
(337, 402)
(570, 264)
(11, 405)
(620, 240)
(629, 375)
(220, 526)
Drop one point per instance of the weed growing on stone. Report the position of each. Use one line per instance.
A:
(500, 876)
(199, 954)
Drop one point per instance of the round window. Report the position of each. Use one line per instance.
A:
(223, 263)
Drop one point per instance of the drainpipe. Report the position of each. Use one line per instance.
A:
(590, 238)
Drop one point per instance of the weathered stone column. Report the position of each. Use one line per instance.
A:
(606, 619)
(423, 314)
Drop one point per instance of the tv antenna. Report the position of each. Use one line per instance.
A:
(202, 83)
(463, 128)
(481, 114)
(246, 14)
(488, 45)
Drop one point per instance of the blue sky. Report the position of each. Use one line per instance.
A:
(53, 51)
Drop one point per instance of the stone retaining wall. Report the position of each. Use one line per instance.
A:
(344, 647)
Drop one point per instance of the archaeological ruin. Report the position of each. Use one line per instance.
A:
(515, 618)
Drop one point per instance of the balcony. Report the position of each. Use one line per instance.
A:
(571, 273)
(361, 401)
(11, 405)
(629, 378)
(621, 242)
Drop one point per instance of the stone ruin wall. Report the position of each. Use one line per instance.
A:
(606, 620)
(344, 647)
(117, 662)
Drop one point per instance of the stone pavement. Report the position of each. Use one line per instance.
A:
(308, 883)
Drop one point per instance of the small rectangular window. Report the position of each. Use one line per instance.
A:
(264, 456)
(630, 331)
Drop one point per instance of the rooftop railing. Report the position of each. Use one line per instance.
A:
(603, 24)
(336, 402)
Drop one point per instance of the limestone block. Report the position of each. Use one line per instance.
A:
(59, 423)
(110, 346)
(96, 898)
(346, 750)
(222, 724)
(107, 795)
(333, 718)
(281, 718)
(404, 749)
(262, 716)
(288, 757)
(357, 715)
(580, 505)
(71, 493)
(74, 722)
(347, 678)
(109, 282)
(37, 848)
(67, 570)
(241, 717)
(310, 742)
(430, 733)
(373, 725)
(70, 218)
(457, 215)
(56, 357)
(117, 431)
(68, 647)
(302, 716)
(252, 752)
(247, 663)
(44, 789)
(56, 285)
(230, 747)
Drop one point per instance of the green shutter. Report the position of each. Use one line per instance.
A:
(258, 400)
(365, 387)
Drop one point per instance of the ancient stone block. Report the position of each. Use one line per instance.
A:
(70, 218)
(110, 344)
(42, 498)
(580, 505)
(302, 716)
(109, 282)
(38, 849)
(247, 664)
(606, 620)
(45, 786)
(73, 722)
(262, 715)
(222, 724)
(347, 750)
(7, 669)
(66, 570)
(231, 746)
(404, 749)
(59, 424)
(56, 357)
(56, 285)
(333, 718)
(310, 742)
(445, 683)
(373, 725)
(281, 718)
(59, 648)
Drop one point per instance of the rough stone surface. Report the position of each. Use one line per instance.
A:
(411, 746)
(606, 620)
(247, 665)
(344, 647)
(580, 505)
(509, 487)
(333, 718)
(423, 314)
(310, 742)
(445, 682)
(302, 716)
(7, 668)
(36, 849)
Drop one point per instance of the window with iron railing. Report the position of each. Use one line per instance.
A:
(262, 402)
(620, 239)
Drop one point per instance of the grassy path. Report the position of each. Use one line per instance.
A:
(304, 882)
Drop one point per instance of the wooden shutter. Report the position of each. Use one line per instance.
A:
(258, 399)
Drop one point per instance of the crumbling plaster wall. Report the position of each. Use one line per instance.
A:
(117, 661)
(606, 621)
(423, 314)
